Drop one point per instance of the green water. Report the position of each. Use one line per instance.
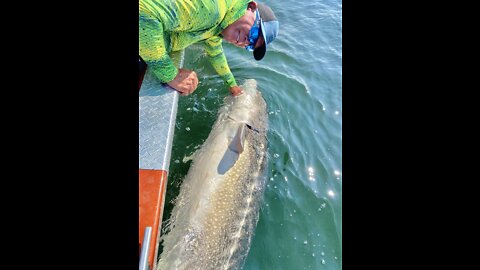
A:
(300, 224)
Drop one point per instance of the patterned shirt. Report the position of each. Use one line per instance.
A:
(173, 25)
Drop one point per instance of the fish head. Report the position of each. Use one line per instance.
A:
(249, 106)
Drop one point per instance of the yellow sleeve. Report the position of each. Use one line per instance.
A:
(152, 49)
(214, 49)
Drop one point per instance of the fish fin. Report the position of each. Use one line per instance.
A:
(238, 141)
(227, 162)
(234, 150)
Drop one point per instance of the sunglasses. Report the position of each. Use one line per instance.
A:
(253, 34)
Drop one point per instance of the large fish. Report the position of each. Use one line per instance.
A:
(215, 214)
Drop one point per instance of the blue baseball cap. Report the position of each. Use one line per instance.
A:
(268, 28)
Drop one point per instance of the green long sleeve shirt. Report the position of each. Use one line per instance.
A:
(172, 25)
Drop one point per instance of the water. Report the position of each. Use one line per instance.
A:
(300, 225)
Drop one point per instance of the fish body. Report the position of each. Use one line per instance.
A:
(216, 211)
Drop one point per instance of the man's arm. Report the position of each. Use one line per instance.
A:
(214, 49)
(152, 49)
(154, 53)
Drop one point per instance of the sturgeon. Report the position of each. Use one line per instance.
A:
(216, 211)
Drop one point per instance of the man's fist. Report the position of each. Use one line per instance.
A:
(236, 90)
(185, 82)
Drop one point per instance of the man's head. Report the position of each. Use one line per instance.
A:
(256, 26)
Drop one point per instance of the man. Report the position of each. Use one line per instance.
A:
(172, 25)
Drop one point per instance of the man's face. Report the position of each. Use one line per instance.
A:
(237, 32)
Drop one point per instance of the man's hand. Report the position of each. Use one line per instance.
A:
(185, 82)
(236, 90)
